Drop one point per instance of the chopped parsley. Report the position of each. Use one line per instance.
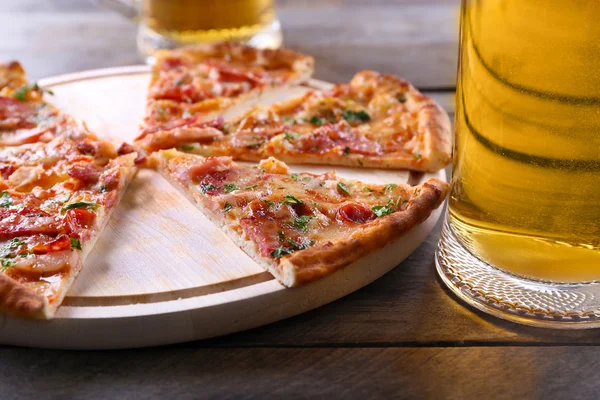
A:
(206, 187)
(317, 120)
(390, 187)
(187, 147)
(346, 151)
(417, 156)
(290, 136)
(294, 177)
(289, 199)
(250, 187)
(367, 189)
(230, 187)
(381, 211)
(356, 116)
(289, 119)
(343, 188)
(400, 201)
(5, 199)
(179, 82)
(401, 98)
(6, 263)
(16, 242)
(21, 93)
(302, 221)
(268, 202)
(103, 189)
(80, 204)
(227, 206)
(75, 243)
(281, 235)
(284, 251)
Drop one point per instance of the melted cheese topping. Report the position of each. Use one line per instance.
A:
(279, 211)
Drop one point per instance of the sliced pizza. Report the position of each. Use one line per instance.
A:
(58, 186)
(24, 115)
(299, 226)
(204, 80)
(376, 120)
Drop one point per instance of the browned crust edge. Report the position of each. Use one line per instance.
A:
(316, 262)
(19, 301)
(435, 129)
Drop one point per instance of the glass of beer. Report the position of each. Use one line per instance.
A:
(167, 24)
(522, 235)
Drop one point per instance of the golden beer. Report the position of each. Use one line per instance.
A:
(526, 169)
(192, 21)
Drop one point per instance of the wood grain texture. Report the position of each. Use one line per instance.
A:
(189, 372)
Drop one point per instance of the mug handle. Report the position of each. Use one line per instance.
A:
(127, 8)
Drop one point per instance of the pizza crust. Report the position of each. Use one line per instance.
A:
(316, 262)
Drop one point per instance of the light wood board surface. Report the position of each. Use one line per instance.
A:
(161, 263)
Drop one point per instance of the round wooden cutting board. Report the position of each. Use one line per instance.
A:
(162, 272)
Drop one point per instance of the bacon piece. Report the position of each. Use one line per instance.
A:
(170, 134)
(78, 220)
(26, 221)
(61, 242)
(15, 114)
(25, 175)
(227, 73)
(85, 171)
(126, 148)
(355, 212)
(195, 172)
(340, 136)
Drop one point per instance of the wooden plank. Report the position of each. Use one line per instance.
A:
(415, 40)
(192, 372)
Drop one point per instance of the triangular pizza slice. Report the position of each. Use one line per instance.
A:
(56, 195)
(299, 226)
(376, 120)
(205, 80)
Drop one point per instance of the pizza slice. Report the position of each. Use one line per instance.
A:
(24, 116)
(206, 79)
(58, 186)
(55, 198)
(376, 120)
(299, 226)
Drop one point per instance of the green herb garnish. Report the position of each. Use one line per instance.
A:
(289, 136)
(302, 221)
(80, 204)
(254, 145)
(5, 199)
(21, 93)
(206, 187)
(268, 202)
(75, 243)
(16, 242)
(381, 211)
(316, 120)
(227, 206)
(401, 98)
(289, 199)
(346, 151)
(343, 188)
(356, 116)
(289, 119)
(250, 187)
(230, 187)
(6, 263)
(390, 187)
(294, 177)
(417, 156)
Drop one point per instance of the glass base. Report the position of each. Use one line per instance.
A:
(517, 299)
(148, 40)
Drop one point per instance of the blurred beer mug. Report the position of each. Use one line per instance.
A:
(167, 24)
(522, 237)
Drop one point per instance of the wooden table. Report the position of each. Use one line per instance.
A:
(403, 336)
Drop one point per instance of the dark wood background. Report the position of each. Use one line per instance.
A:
(404, 336)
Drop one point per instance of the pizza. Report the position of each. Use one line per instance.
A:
(204, 80)
(376, 120)
(57, 192)
(24, 116)
(298, 226)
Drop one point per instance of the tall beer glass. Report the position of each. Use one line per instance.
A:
(522, 236)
